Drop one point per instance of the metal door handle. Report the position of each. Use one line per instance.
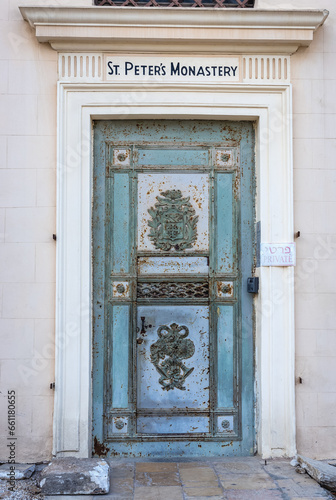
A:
(142, 331)
(143, 326)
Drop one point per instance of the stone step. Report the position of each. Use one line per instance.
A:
(74, 476)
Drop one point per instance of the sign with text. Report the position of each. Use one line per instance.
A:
(172, 69)
(277, 254)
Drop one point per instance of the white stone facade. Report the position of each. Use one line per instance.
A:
(28, 143)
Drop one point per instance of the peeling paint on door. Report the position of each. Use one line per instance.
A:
(173, 239)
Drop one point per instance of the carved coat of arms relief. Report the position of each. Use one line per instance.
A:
(173, 222)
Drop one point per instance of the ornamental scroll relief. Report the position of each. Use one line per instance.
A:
(174, 223)
(167, 354)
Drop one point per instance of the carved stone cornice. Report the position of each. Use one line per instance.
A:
(182, 30)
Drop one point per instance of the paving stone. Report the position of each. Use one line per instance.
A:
(314, 493)
(221, 497)
(16, 471)
(69, 497)
(192, 465)
(122, 470)
(71, 476)
(201, 491)
(158, 493)
(202, 484)
(290, 487)
(121, 485)
(305, 498)
(233, 467)
(252, 494)
(246, 482)
(280, 470)
(323, 473)
(115, 496)
(254, 462)
(306, 480)
(295, 489)
(157, 479)
(198, 474)
(156, 467)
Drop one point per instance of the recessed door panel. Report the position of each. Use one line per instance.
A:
(120, 353)
(120, 208)
(173, 212)
(172, 358)
(173, 157)
(173, 425)
(173, 265)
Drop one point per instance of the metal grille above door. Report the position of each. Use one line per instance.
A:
(173, 238)
(239, 4)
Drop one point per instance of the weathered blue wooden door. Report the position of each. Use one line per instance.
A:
(173, 239)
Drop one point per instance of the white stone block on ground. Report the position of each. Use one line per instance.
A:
(18, 471)
(73, 476)
(322, 472)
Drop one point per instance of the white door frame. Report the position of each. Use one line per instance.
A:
(269, 106)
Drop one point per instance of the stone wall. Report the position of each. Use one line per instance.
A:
(28, 75)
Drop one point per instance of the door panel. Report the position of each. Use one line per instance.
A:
(173, 265)
(225, 231)
(161, 343)
(120, 352)
(120, 236)
(173, 425)
(194, 186)
(173, 157)
(173, 239)
(225, 356)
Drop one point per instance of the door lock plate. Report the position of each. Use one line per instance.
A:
(253, 285)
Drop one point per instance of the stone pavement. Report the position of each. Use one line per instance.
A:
(216, 479)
